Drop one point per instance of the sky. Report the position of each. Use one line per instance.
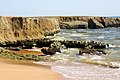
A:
(59, 7)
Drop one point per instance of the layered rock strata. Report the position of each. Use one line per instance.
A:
(93, 22)
(21, 28)
(16, 29)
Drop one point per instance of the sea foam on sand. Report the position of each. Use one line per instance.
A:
(82, 71)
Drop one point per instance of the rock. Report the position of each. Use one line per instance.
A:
(112, 22)
(55, 45)
(53, 48)
(84, 44)
(92, 23)
(74, 25)
(91, 52)
(99, 45)
(105, 21)
(22, 28)
(16, 30)
(49, 51)
(28, 44)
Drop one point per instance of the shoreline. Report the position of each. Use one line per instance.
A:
(23, 70)
(62, 76)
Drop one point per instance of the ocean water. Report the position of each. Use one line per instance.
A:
(89, 67)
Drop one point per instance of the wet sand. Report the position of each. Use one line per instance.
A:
(13, 70)
(29, 51)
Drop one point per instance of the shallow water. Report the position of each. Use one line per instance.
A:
(109, 36)
(72, 65)
(83, 71)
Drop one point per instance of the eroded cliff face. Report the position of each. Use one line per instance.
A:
(93, 22)
(21, 28)
(27, 28)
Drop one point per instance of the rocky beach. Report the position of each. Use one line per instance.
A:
(74, 46)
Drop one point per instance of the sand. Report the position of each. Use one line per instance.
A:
(29, 51)
(13, 71)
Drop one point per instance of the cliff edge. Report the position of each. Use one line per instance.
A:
(83, 22)
(22, 28)
(28, 28)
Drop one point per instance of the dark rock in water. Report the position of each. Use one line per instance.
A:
(28, 44)
(55, 45)
(49, 51)
(94, 24)
(91, 52)
(114, 67)
(84, 44)
(98, 52)
(53, 48)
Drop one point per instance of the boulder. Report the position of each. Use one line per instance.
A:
(53, 48)
(49, 51)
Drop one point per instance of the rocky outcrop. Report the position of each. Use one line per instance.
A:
(93, 22)
(21, 28)
(53, 48)
(92, 52)
(74, 25)
(74, 44)
(111, 22)
(28, 44)
(84, 44)
(86, 47)
(28, 28)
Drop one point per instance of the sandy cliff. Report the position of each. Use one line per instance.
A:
(88, 22)
(21, 28)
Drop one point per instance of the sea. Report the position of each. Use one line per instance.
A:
(88, 67)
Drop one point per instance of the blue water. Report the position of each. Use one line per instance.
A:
(107, 35)
(84, 67)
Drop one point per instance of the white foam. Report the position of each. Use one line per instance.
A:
(78, 35)
(35, 49)
(114, 64)
(111, 45)
(100, 37)
(43, 63)
(58, 38)
(96, 57)
(56, 69)
(81, 71)
(118, 46)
